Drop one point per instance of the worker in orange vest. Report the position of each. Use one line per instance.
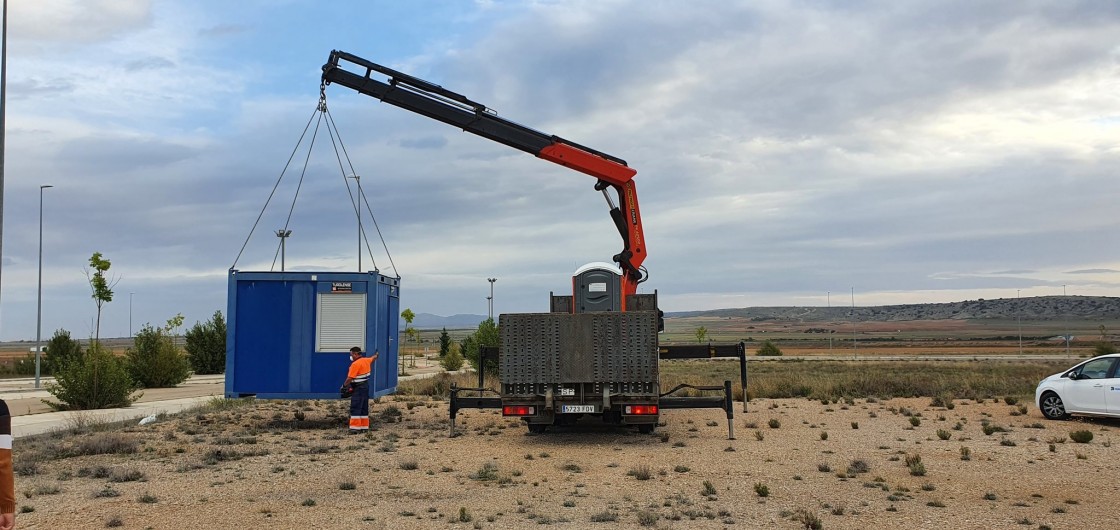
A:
(357, 378)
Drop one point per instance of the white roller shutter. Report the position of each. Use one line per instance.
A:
(342, 321)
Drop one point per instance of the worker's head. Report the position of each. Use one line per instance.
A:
(355, 352)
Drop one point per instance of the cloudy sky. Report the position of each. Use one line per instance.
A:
(788, 152)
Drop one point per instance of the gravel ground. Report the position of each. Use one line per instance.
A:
(794, 463)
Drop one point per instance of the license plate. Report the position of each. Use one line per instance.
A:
(577, 409)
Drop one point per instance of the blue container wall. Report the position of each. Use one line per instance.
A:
(270, 345)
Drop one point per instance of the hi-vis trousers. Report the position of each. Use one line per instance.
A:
(359, 408)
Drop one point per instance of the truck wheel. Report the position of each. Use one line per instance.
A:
(537, 428)
(646, 428)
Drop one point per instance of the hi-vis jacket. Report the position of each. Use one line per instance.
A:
(359, 370)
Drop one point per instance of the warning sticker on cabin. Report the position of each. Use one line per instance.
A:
(341, 287)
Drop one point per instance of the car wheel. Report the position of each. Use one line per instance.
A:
(1052, 407)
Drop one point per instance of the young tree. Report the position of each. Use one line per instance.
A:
(485, 335)
(444, 344)
(102, 287)
(206, 345)
(701, 333)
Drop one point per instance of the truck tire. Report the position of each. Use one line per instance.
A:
(537, 428)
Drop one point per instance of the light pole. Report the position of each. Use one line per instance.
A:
(1067, 325)
(490, 299)
(828, 300)
(1019, 318)
(39, 310)
(284, 235)
(358, 210)
(130, 314)
(855, 342)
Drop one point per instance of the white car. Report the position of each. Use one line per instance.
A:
(1091, 388)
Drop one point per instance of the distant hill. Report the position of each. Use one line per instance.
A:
(430, 321)
(1032, 308)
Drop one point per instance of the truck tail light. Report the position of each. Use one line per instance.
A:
(518, 410)
(640, 410)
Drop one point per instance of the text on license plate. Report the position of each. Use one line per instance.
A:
(577, 409)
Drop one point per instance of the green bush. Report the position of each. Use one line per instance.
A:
(206, 345)
(1081, 437)
(444, 343)
(451, 361)
(61, 349)
(485, 335)
(768, 349)
(94, 379)
(155, 361)
(1103, 348)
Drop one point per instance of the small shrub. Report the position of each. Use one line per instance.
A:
(774, 423)
(759, 436)
(681, 469)
(308, 502)
(966, 453)
(641, 472)
(452, 361)
(914, 463)
(915, 421)
(488, 471)
(1081, 437)
(409, 465)
(855, 424)
(347, 485)
(989, 496)
(647, 518)
(768, 349)
(464, 515)
(605, 516)
(858, 466)
(807, 519)
(824, 436)
(761, 489)
(147, 498)
(943, 434)
(824, 468)
(709, 488)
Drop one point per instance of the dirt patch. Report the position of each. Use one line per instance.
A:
(855, 464)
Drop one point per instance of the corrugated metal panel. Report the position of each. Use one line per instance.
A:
(549, 348)
(342, 321)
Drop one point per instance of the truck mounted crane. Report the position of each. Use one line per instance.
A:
(596, 352)
(438, 103)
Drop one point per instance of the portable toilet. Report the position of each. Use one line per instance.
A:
(289, 333)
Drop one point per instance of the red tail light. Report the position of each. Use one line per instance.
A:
(640, 410)
(518, 410)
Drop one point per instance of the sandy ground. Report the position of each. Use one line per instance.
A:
(290, 465)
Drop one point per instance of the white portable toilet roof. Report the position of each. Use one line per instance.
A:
(600, 265)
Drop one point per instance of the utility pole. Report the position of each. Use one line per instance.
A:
(855, 342)
(3, 126)
(490, 299)
(1019, 318)
(1064, 301)
(285, 234)
(828, 300)
(358, 210)
(130, 314)
(39, 309)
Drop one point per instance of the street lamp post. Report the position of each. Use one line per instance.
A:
(130, 314)
(284, 235)
(358, 210)
(828, 300)
(1019, 318)
(39, 310)
(490, 299)
(1067, 325)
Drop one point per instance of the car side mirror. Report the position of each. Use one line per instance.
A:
(1074, 376)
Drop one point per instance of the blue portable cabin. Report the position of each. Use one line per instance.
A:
(289, 333)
